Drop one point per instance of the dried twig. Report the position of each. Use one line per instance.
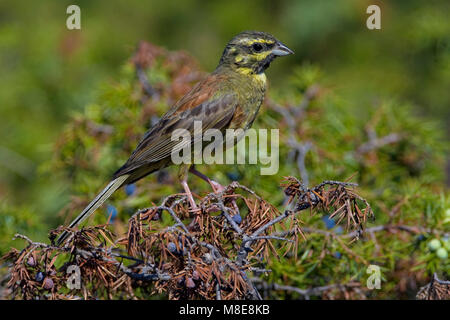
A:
(209, 259)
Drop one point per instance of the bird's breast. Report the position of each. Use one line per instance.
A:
(251, 91)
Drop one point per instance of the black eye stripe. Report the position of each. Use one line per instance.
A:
(246, 49)
(257, 46)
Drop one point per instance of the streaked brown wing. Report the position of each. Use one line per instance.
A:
(213, 114)
(198, 105)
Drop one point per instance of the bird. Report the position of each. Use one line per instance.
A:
(228, 98)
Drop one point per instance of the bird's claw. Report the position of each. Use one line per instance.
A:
(217, 187)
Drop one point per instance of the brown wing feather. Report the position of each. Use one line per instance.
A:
(202, 103)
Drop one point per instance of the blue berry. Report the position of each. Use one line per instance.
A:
(190, 283)
(172, 247)
(233, 176)
(39, 276)
(130, 189)
(329, 223)
(337, 255)
(195, 275)
(339, 230)
(48, 283)
(31, 262)
(111, 211)
(237, 218)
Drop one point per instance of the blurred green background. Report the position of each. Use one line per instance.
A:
(49, 72)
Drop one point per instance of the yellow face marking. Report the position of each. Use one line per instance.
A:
(249, 42)
(244, 70)
(261, 56)
(258, 56)
(261, 77)
(239, 58)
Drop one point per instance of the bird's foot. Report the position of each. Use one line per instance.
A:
(217, 187)
(194, 207)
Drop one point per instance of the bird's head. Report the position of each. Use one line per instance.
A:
(251, 52)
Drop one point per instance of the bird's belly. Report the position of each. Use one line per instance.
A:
(244, 116)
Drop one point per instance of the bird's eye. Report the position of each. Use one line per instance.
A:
(257, 47)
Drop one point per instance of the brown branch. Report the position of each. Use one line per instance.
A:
(178, 258)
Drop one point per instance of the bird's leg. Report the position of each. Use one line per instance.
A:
(189, 194)
(194, 207)
(217, 187)
(183, 175)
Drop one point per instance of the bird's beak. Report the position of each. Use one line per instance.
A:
(281, 50)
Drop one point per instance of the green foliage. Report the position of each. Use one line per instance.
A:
(15, 219)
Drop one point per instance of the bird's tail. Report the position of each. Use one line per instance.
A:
(97, 202)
